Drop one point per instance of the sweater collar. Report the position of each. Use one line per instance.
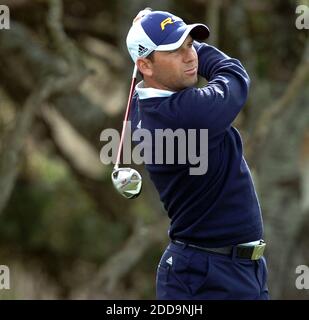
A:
(146, 93)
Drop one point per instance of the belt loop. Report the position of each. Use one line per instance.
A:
(234, 252)
(184, 245)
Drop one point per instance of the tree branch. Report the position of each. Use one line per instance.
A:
(24, 62)
(213, 20)
(63, 44)
(263, 125)
(72, 144)
(15, 3)
(108, 276)
(14, 139)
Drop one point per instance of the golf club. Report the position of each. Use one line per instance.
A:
(127, 181)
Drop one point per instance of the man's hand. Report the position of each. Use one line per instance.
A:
(141, 14)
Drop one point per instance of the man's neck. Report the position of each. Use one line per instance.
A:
(148, 83)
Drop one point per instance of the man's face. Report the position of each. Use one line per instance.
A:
(173, 70)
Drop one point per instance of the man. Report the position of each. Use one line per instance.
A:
(216, 226)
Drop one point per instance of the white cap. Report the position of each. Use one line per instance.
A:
(161, 31)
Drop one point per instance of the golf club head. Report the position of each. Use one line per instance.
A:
(128, 182)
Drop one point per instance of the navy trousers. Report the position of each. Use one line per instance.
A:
(186, 273)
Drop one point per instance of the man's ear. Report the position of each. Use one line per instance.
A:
(144, 66)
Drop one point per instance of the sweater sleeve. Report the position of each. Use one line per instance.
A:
(216, 105)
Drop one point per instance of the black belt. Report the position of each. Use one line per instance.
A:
(253, 252)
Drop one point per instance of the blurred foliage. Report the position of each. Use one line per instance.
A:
(49, 211)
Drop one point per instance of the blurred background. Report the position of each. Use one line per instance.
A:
(64, 77)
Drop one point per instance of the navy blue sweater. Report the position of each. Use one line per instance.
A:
(220, 207)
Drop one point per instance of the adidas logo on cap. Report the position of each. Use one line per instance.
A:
(141, 50)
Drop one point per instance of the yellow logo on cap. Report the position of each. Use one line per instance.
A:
(165, 22)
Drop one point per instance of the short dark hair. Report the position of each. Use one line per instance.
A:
(151, 56)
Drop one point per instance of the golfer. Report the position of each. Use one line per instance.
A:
(216, 228)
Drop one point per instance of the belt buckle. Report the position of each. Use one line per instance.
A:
(258, 251)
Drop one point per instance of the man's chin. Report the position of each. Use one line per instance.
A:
(192, 82)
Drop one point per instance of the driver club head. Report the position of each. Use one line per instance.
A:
(127, 181)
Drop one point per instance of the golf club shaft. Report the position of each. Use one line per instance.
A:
(133, 81)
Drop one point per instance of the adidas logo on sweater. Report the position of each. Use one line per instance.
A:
(141, 50)
(170, 261)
